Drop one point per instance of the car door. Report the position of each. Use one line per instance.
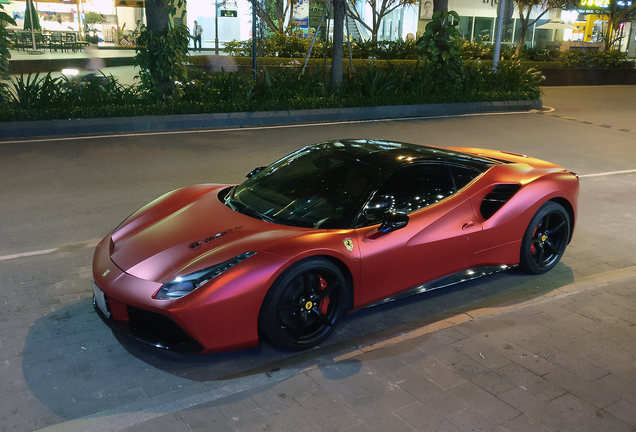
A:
(435, 242)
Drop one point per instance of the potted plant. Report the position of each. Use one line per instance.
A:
(93, 18)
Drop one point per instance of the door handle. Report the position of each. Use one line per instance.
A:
(467, 225)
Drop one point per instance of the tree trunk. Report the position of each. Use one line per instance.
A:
(522, 34)
(440, 5)
(338, 44)
(262, 14)
(157, 16)
(374, 34)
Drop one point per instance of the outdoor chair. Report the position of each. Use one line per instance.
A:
(55, 42)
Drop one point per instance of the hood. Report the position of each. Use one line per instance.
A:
(185, 231)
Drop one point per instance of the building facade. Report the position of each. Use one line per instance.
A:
(226, 20)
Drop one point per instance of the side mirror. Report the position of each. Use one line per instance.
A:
(255, 171)
(393, 221)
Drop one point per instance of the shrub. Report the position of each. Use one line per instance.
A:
(34, 92)
(440, 48)
(595, 59)
(161, 59)
(405, 82)
(5, 54)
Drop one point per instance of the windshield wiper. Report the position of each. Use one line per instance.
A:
(244, 209)
(228, 198)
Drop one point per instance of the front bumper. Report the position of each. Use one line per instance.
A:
(149, 327)
(220, 316)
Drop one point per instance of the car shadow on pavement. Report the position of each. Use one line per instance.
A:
(75, 365)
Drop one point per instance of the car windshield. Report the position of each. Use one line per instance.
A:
(312, 187)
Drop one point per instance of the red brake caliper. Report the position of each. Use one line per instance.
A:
(324, 303)
(533, 249)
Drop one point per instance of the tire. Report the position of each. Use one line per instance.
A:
(304, 305)
(545, 239)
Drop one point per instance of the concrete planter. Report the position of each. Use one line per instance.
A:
(554, 77)
(57, 64)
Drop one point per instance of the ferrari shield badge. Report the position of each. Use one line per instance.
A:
(348, 244)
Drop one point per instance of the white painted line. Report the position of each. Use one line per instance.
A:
(609, 173)
(27, 254)
(251, 128)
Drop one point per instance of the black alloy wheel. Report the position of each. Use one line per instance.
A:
(546, 238)
(304, 305)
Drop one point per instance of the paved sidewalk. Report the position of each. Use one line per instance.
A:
(562, 362)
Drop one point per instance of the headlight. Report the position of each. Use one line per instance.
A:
(186, 284)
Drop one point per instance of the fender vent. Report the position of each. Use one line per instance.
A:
(500, 195)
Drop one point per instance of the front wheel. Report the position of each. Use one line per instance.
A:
(545, 239)
(304, 305)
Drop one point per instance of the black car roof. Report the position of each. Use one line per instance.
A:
(388, 155)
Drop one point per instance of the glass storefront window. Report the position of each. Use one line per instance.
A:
(466, 27)
(529, 37)
(507, 33)
(484, 27)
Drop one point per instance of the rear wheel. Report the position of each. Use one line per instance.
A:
(304, 305)
(545, 239)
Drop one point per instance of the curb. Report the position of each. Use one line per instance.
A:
(48, 128)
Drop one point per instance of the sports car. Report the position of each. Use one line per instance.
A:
(328, 229)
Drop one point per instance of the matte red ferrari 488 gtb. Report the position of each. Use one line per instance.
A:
(330, 228)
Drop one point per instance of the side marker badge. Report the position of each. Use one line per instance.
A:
(106, 273)
(348, 244)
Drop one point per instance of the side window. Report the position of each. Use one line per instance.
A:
(462, 175)
(409, 189)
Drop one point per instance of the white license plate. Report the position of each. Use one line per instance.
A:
(100, 300)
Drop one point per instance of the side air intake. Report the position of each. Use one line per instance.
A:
(500, 195)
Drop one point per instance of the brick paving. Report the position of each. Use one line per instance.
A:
(555, 364)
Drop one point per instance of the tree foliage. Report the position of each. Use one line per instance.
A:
(379, 9)
(617, 12)
(94, 18)
(161, 57)
(541, 7)
(275, 13)
(5, 55)
(162, 51)
(440, 46)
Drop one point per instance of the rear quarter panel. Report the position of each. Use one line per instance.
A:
(499, 242)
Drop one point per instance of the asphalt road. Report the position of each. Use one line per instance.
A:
(62, 192)
(610, 106)
(59, 197)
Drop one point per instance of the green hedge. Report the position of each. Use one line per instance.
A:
(192, 107)
(406, 53)
(40, 98)
(577, 59)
